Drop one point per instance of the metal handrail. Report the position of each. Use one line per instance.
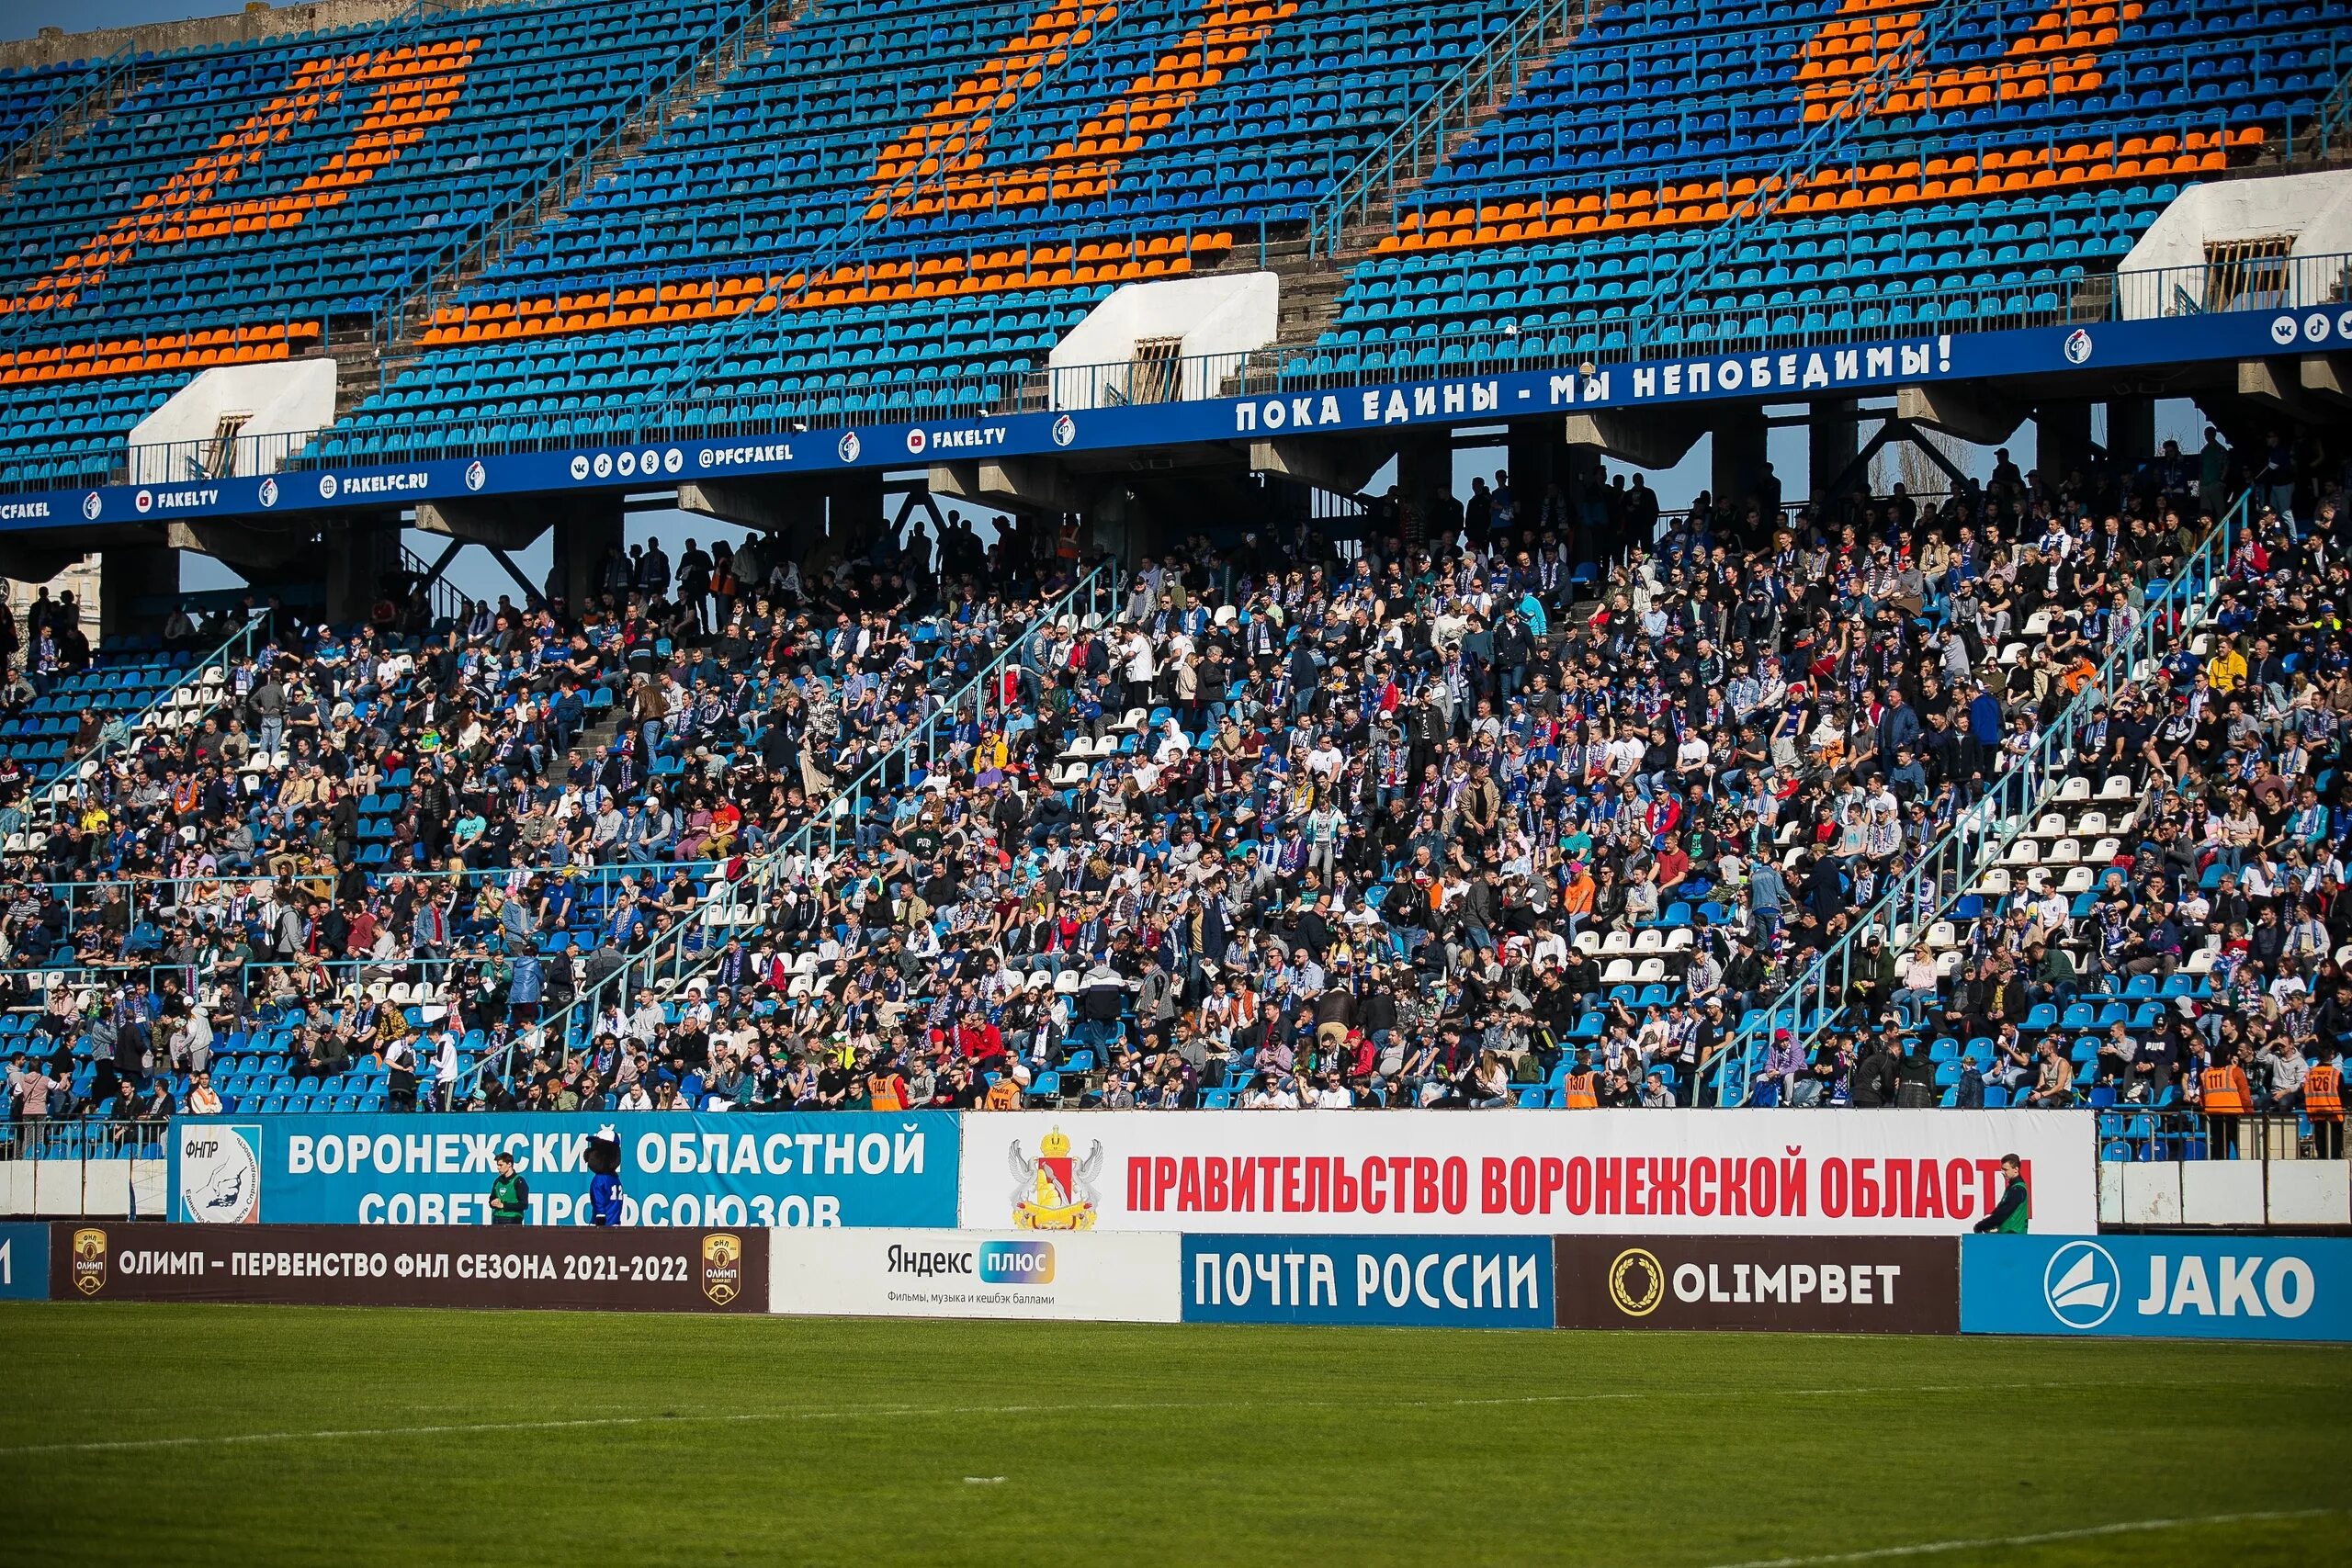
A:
(915, 754)
(122, 729)
(722, 49)
(1453, 104)
(1942, 874)
(847, 242)
(1804, 162)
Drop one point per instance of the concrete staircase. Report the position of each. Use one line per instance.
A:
(366, 361)
(1314, 257)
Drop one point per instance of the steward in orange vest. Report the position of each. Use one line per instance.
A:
(1577, 1090)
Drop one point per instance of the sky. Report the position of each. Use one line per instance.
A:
(23, 19)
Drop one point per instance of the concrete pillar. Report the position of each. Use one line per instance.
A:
(854, 510)
(1739, 454)
(1834, 438)
(2130, 431)
(2061, 439)
(136, 586)
(1424, 482)
(358, 553)
(578, 542)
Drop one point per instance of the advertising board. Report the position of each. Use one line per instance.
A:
(917, 1274)
(1834, 1284)
(1405, 1281)
(677, 1168)
(654, 1269)
(2164, 1287)
(1524, 1172)
(24, 1262)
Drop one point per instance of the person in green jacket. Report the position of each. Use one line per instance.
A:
(510, 1195)
(2014, 1211)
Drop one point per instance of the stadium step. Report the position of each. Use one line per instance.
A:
(692, 88)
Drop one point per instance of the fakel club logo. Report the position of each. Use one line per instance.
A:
(1065, 430)
(722, 1266)
(1053, 1192)
(2078, 347)
(88, 1267)
(2081, 1284)
(92, 505)
(848, 447)
(269, 492)
(476, 475)
(1636, 1281)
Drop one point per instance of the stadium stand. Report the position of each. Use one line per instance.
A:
(1228, 795)
(1997, 185)
(249, 203)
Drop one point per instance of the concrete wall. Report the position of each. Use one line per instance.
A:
(125, 1189)
(52, 46)
(1220, 315)
(2225, 1192)
(2315, 208)
(292, 398)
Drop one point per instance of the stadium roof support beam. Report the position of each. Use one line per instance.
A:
(1651, 439)
(25, 560)
(2279, 385)
(243, 547)
(1341, 464)
(1017, 484)
(769, 506)
(2328, 375)
(1973, 413)
(501, 526)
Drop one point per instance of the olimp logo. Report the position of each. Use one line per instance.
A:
(89, 1261)
(722, 1266)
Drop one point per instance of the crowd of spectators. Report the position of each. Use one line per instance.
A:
(1471, 810)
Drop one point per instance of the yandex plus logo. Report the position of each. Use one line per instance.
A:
(409, 91)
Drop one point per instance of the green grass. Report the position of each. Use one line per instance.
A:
(795, 1440)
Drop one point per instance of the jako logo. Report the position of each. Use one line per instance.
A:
(2283, 1290)
(2081, 1284)
(1016, 1263)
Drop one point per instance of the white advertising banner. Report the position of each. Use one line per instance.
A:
(1489, 1172)
(940, 1273)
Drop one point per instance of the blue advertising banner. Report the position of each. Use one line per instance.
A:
(1423, 1282)
(676, 1169)
(2166, 1287)
(24, 1263)
(1796, 371)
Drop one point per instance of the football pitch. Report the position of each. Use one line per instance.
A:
(222, 1435)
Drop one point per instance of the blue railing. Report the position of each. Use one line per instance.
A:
(1815, 1001)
